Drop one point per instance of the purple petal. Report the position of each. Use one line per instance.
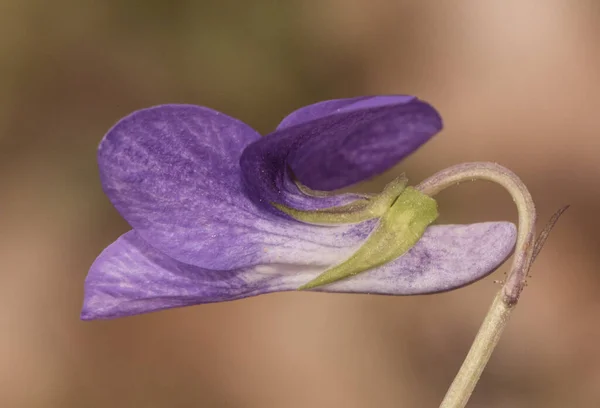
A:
(445, 258)
(331, 107)
(349, 144)
(173, 173)
(131, 277)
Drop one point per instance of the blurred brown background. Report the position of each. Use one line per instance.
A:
(517, 82)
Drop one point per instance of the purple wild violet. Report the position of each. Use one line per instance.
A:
(220, 213)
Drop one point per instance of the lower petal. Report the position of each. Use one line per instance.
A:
(130, 277)
(446, 257)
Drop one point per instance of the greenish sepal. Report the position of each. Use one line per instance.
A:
(399, 229)
(355, 212)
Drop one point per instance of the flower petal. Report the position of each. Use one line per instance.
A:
(131, 277)
(173, 173)
(347, 145)
(445, 258)
(331, 107)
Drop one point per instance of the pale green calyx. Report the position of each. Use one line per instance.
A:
(354, 212)
(404, 213)
(399, 229)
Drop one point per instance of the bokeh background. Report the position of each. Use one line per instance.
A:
(517, 82)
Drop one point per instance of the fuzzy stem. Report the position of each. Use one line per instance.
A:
(489, 334)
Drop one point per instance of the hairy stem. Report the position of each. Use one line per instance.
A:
(525, 250)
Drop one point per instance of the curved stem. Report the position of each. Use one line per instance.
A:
(527, 215)
(489, 334)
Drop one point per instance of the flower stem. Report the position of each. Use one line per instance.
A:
(481, 350)
(512, 183)
(504, 303)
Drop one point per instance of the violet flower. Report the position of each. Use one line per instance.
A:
(212, 205)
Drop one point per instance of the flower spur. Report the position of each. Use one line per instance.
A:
(220, 213)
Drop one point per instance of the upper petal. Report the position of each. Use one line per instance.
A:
(173, 173)
(337, 143)
(333, 106)
(131, 277)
